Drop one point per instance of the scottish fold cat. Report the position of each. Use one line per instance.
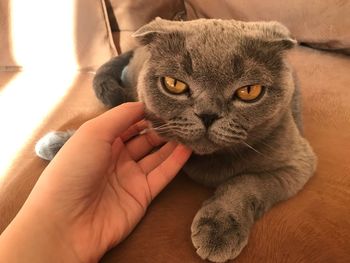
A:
(223, 88)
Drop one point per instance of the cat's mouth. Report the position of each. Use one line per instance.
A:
(201, 141)
(202, 146)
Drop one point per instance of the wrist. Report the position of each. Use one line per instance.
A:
(33, 237)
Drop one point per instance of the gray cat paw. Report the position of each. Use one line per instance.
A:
(217, 235)
(47, 147)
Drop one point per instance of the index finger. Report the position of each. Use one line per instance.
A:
(166, 171)
(111, 124)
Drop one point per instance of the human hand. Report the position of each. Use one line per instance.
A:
(99, 185)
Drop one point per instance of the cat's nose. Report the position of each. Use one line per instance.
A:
(208, 118)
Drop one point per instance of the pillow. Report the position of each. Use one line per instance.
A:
(132, 14)
(322, 24)
(67, 35)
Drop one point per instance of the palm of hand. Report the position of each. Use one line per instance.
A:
(123, 180)
(100, 183)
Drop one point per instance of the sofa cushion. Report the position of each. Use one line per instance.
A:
(322, 24)
(132, 14)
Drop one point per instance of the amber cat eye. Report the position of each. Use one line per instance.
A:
(249, 93)
(174, 86)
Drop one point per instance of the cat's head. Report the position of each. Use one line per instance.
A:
(215, 84)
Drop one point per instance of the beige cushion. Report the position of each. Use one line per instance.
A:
(42, 35)
(132, 14)
(323, 23)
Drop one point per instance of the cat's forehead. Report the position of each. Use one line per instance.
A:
(233, 26)
(217, 48)
(212, 42)
(221, 40)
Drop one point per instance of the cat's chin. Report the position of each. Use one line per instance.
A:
(204, 147)
(202, 150)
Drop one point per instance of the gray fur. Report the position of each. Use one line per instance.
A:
(107, 83)
(254, 153)
(48, 146)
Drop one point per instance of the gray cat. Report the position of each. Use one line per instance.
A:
(223, 88)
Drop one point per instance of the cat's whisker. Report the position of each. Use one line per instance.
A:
(163, 133)
(181, 132)
(169, 126)
(161, 126)
(241, 132)
(157, 129)
(159, 132)
(251, 147)
(228, 138)
(164, 127)
(171, 129)
(158, 123)
(269, 146)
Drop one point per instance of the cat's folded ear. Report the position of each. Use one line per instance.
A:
(157, 27)
(278, 35)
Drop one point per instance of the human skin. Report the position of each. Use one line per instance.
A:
(94, 192)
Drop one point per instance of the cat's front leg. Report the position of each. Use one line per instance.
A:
(220, 229)
(109, 83)
(219, 234)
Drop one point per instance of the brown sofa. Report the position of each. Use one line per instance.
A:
(44, 89)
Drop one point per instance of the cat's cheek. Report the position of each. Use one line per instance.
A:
(142, 97)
